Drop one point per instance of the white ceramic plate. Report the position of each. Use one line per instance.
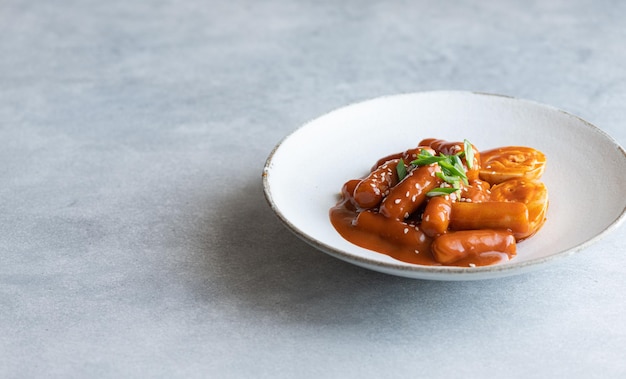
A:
(585, 174)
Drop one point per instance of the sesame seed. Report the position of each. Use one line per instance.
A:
(407, 194)
(397, 201)
(417, 251)
(406, 230)
(472, 265)
(406, 215)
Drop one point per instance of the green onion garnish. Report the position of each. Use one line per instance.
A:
(425, 158)
(452, 169)
(469, 153)
(450, 179)
(401, 170)
(442, 191)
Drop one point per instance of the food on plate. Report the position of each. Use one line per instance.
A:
(511, 162)
(370, 191)
(409, 194)
(446, 203)
(533, 193)
(512, 216)
(452, 247)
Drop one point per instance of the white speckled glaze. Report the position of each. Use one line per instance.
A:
(585, 174)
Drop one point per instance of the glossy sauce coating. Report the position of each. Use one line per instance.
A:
(410, 193)
(478, 224)
(371, 190)
(436, 216)
(531, 193)
(476, 192)
(495, 245)
(367, 230)
(450, 148)
(511, 216)
(511, 162)
(407, 156)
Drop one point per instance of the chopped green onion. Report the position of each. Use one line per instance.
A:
(458, 164)
(425, 158)
(469, 153)
(442, 191)
(456, 161)
(401, 170)
(451, 169)
(450, 179)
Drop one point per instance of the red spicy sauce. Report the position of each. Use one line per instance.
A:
(408, 244)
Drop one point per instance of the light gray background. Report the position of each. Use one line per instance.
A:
(135, 240)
